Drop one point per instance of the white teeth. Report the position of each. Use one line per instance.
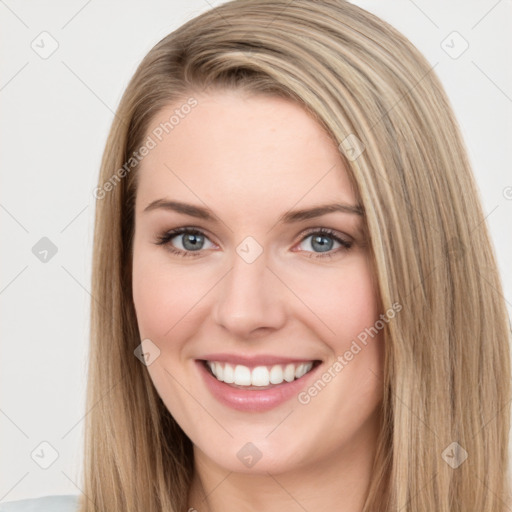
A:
(229, 374)
(276, 374)
(242, 375)
(300, 371)
(219, 371)
(260, 375)
(289, 373)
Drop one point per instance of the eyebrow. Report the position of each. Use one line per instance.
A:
(287, 218)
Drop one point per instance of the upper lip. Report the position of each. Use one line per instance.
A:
(255, 360)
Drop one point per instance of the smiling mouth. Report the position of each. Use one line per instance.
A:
(259, 377)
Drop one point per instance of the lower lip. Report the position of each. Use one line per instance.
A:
(253, 400)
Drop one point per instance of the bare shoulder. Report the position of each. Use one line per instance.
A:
(55, 503)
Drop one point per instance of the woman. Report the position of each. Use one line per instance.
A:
(296, 301)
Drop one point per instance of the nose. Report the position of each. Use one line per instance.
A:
(251, 299)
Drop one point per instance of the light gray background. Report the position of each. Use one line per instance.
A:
(56, 113)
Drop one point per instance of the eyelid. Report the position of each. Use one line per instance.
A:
(328, 231)
(168, 235)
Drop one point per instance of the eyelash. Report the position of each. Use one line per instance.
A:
(166, 237)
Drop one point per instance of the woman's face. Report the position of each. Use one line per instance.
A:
(255, 290)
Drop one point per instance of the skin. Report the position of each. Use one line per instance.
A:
(250, 159)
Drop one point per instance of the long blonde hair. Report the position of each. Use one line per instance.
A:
(447, 365)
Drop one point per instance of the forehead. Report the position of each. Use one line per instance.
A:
(246, 149)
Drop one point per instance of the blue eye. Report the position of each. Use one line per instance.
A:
(322, 239)
(192, 242)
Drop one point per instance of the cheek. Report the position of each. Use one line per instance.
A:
(163, 297)
(152, 301)
(357, 303)
(163, 300)
(344, 303)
